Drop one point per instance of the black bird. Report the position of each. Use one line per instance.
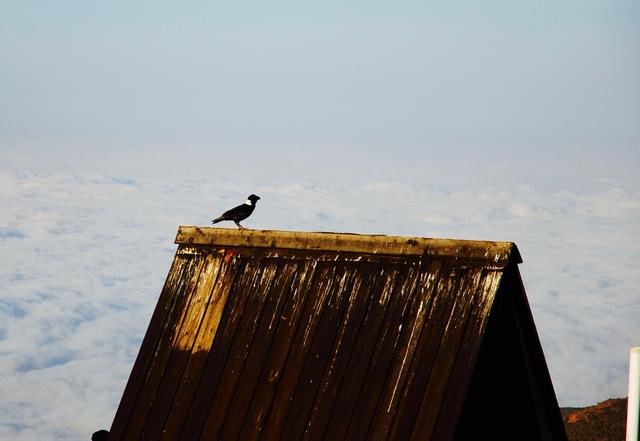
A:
(239, 213)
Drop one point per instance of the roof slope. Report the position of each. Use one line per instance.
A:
(270, 334)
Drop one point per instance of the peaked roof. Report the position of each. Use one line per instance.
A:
(285, 335)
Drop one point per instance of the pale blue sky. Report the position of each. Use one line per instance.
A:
(412, 76)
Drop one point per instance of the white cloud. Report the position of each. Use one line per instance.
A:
(85, 255)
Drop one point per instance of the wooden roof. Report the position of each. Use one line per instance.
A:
(498, 252)
(287, 335)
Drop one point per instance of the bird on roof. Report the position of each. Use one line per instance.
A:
(239, 213)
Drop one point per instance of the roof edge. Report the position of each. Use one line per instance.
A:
(497, 252)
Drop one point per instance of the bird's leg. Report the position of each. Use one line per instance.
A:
(239, 226)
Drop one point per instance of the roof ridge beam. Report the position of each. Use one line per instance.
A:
(495, 252)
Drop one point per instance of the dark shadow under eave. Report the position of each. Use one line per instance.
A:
(511, 395)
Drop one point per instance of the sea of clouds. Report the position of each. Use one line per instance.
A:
(84, 256)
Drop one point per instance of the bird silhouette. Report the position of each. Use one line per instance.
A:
(239, 213)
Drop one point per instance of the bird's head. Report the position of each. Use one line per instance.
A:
(253, 199)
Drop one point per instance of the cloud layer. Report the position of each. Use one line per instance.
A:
(85, 256)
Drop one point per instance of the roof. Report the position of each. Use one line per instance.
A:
(274, 334)
(498, 252)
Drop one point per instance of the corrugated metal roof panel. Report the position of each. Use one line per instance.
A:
(270, 335)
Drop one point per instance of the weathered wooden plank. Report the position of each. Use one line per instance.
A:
(387, 341)
(425, 354)
(326, 277)
(499, 253)
(216, 302)
(410, 335)
(361, 356)
(158, 325)
(181, 351)
(247, 278)
(196, 250)
(281, 346)
(345, 342)
(321, 347)
(325, 255)
(466, 300)
(260, 347)
(242, 341)
(151, 385)
(462, 371)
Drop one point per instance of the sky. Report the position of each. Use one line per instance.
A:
(120, 121)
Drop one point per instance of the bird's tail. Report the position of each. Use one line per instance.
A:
(218, 219)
